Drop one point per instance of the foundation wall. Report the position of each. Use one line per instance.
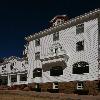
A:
(30, 95)
(89, 87)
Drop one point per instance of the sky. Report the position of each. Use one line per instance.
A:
(21, 18)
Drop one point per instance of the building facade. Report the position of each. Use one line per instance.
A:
(13, 71)
(65, 57)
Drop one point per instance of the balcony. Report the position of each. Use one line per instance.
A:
(54, 59)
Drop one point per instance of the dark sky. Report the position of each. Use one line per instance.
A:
(20, 18)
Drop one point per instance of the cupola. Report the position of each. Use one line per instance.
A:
(59, 19)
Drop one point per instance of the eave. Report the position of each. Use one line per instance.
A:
(72, 22)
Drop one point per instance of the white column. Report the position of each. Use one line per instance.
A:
(9, 80)
(18, 78)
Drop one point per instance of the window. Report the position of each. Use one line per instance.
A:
(37, 42)
(37, 72)
(26, 60)
(56, 36)
(13, 78)
(23, 77)
(55, 85)
(80, 67)
(80, 46)
(37, 56)
(3, 67)
(11, 66)
(80, 28)
(56, 50)
(36, 85)
(56, 71)
(3, 80)
(79, 85)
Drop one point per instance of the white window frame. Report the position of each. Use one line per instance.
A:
(80, 87)
(36, 85)
(54, 85)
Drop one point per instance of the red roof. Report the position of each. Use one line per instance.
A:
(59, 17)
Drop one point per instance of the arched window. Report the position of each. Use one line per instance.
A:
(56, 71)
(80, 67)
(37, 72)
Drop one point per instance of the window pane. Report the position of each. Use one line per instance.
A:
(84, 67)
(37, 72)
(37, 85)
(80, 46)
(80, 85)
(13, 78)
(37, 42)
(23, 77)
(79, 28)
(56, 36)
(56, 71)
(37, 56)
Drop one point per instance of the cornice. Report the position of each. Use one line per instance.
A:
(52, 58)
(7, 60)
(72, 22)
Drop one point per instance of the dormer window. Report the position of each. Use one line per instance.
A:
(37, 42)
(59, 19)
(56, 36)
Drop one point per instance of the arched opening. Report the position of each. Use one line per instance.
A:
(80, 67)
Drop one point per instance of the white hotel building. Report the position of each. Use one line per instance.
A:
(63, 58)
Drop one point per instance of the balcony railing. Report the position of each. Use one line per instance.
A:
(62, 54)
